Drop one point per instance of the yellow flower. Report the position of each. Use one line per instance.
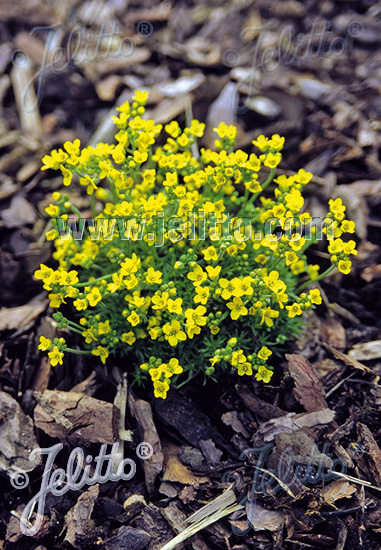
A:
(337, 208)
(133, 319)
(104, 328)
(202, 294)
(173, 333)
(173, 367)
(268, 315)
(101, 352)
(272, 160)
(213, 272)
(245, 368)
(94, 296)
(160, 301)
(237, 308)
(52, 210)
(192, 330)
(276, 142)
(198, 276)
(264, 353)
(264, 374)
(55, 356)
(80, 304)
(196, 316)
(344, 266)
(153, 277)
(197, 128)
(294, 310)
(161, 388)
(174, 306)
(128, 338)
(315, 296)
(210, 254)
(140, 156)
(56, 300)
(348, 226)
(45, 344)
(262, 143)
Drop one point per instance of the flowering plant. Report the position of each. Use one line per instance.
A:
(179, 266)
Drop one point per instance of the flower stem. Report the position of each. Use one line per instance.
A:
(321, 276)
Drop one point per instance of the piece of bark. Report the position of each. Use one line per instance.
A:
(340, 488)
(350, 361)
(292, 423)
(142, 412)
(371, 459)
(128, 538)
(88, 386)
(262, 519)
(308, 389)
(17, 438)
(332, 332)
(76, 415)
(77, 520)
(22, 316)
(302, 448)
(261, 408)
(187, 419)
(152, 521)
(175, 471)
(210, 451)
(232, 419)
(366, 351)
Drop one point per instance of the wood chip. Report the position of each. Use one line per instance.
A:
(349, 360)
(371, 459)
(77, 520)
(308, 389)
(332, 332)
(262, 519)
(258, 406)
(78, 416)
(366, 351)
(293, 422)
(19, 213)
(175, 471)
(142, 412)
(17, 439)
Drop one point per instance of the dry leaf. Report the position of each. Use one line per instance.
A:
(13, 318)
(340, 488)
(175, 471)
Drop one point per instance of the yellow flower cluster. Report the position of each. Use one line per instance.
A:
(181, 263)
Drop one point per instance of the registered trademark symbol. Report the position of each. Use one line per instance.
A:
(144, 450)
(145, 28)
(355, 29)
